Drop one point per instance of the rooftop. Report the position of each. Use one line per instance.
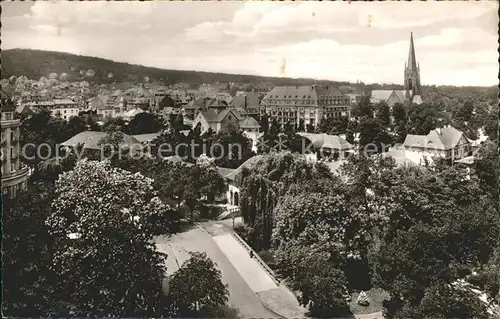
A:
(91, 139)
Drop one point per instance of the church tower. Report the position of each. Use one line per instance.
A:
(412, 74)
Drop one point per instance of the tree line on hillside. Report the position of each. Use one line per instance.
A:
(37, 63)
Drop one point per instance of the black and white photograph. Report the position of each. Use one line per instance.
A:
(250, 159)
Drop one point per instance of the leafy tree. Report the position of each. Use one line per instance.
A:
(323, 289)
(362, 108)
(103, 220)
(165, 143)
(349, 136)
(177, 122)
(262, 186)
(118, 122)
(264, 123)
(400, 130)
(29, 280)
(300, 126)
(310, 128)
(41, 129)
(445, 301)
(490, 123)
(233, 148)
(75, 125)
(322, 222)
(399, 113)
(384, 113)
(372, 132)
(275, 128)
(424, 118)
(196, 288)
(487, 168)
(333, 125)
(288, 128)
(440, 216)
(144, 123)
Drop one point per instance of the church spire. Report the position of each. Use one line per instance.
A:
(412, 61)
(412, 73)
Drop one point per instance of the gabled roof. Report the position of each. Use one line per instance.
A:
(222, 115)
(225, 171)
(133, 112)
(249, 163)
(252, 100)
(249, 122)
(401, 95)
(197, 104)
(293, 92)
(91, 139)
(146, 137)
(210, 116)
(385, 95)
(328, 91)
(381, 94)
(324, 140)
(64, 102)
(24, 110)
(441, 138)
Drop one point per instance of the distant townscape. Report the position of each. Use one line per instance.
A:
(141, 192)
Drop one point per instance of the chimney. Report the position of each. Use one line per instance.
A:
(245, 101)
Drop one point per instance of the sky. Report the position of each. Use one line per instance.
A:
(456, 42)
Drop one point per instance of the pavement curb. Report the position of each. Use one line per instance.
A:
(269, 307)
(256, 294)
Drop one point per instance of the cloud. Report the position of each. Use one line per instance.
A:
(455, 41)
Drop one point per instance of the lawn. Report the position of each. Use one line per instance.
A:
(375, 295)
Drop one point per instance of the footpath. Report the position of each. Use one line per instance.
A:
(274, 295)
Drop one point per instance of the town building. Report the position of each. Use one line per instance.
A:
(233, 179)
(91, 139)
(14, 173)
(192, 108)
(248, 103)
(65, 108)
(222, 121)
(100, 105)
(412, 92)
(446, 142)
(310, 104)
(249, 124)
(329, 146)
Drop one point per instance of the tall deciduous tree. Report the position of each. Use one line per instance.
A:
(399, 113)
(373, 136)
(384, 113)
(144, 123)
(362, 108)
(262, 187)
(28, 278)
(103, 220)
(487, 168)
(446, 301)
(196, 288)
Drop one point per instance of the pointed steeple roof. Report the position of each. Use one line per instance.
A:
(412, 60)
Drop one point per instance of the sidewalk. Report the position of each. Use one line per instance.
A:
(276, 297)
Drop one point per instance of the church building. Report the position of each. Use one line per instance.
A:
(412, 87)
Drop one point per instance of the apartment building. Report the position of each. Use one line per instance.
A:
(308, 103)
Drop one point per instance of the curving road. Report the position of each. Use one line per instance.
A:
(240, 294)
